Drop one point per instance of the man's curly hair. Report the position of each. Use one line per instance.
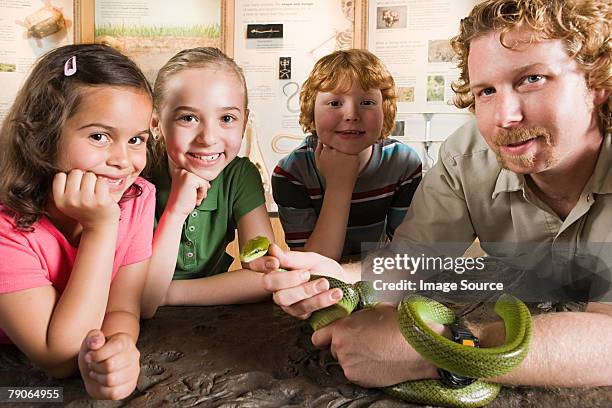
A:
(583, 25)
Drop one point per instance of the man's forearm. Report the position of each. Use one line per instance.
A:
(568, 349)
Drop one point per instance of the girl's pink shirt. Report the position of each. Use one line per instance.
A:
(44, 256)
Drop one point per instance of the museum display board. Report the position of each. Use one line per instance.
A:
(413, 40)
(28, 29)
(276, 42)
(152, 31)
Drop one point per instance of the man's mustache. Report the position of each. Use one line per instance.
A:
(505, 137)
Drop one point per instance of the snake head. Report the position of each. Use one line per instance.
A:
(254, 248)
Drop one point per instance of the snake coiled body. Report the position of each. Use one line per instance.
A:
(413, 311)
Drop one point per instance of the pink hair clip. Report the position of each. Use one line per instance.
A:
(70, 67)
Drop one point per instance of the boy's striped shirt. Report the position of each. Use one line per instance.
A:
(383, 191)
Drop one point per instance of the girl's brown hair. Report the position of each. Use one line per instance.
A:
(31, 131)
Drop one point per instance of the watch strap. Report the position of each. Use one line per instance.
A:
(461, 335)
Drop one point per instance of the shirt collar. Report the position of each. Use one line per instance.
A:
(507, 182)
(211, 202)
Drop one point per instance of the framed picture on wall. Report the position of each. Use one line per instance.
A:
(413, 40)
(152, 31)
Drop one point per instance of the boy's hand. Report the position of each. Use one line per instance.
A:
(109, 367)
(85, 197)
(293, 291)
(339, 169)
(187, 192)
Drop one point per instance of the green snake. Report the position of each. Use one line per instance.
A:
(413, 311)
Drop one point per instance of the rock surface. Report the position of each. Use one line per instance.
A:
(249, 356)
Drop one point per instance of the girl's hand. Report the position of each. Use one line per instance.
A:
(187, 192)
(339, 169)
(109, 367)
(85, 198)
(293, 290)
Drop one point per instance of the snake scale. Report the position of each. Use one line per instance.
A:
(413, 311)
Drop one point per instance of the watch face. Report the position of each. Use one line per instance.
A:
(463, 336)
(453, 380)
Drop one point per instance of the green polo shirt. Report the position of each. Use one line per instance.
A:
(210, 227)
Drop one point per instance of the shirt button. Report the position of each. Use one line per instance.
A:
(194, 214)
(589, 198)
(189, 254)
(191, 228)
(189, 243)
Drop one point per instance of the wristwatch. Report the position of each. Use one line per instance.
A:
(461, 335)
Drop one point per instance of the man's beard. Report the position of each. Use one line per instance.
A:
(506, 137)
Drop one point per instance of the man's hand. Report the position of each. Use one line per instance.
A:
(372, 351)
(187, 192)
(293, 290)
(109, 367)
(339, 169)
(85, 198)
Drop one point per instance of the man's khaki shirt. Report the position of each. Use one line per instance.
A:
(467, 195)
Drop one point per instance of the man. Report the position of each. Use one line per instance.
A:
(536, 74)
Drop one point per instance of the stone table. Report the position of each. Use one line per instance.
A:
(249, 356)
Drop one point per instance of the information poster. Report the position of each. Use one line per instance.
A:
(277, 42)
(152, 31)
(412, 38)
(28, 29)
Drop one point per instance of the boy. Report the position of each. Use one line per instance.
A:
(347, 183)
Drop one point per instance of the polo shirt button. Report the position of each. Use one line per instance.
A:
(194, 214)
(189, 254)
(191, 228)
(189, 243)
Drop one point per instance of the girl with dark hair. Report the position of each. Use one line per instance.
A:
(76, 221)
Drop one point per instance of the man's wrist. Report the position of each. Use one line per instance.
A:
(426, 369)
